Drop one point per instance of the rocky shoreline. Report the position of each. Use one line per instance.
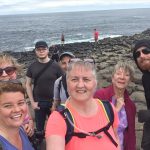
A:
(106, 53)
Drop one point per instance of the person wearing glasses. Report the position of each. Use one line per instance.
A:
(40, 79)
(141, 55)
(13, 110)
(60, 86)
(9, 70)
(88, 113)
(117, 94)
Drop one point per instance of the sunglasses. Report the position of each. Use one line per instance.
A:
(8, 70)
(144, 51)
(89, 60)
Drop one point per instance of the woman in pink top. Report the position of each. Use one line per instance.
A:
(88, 114)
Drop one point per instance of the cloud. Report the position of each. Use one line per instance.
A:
(28, 6)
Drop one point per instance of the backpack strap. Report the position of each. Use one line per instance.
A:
(110, 115)
(108, 110)
(64, 83)
(42, 71)
(70, 123)
(66, 114)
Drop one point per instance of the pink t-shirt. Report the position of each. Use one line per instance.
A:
(96, 35)
(56, 126)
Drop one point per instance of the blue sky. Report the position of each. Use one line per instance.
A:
(46, 6)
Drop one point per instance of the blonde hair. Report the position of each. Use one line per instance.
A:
(126, 66)
(6, 58)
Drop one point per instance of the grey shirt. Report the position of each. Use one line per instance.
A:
(59, 95)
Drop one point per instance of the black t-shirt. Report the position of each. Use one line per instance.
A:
(45, 83)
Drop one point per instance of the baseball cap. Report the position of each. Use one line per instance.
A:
(41, 44)
(70, 54)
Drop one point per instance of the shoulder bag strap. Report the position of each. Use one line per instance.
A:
(41, 72)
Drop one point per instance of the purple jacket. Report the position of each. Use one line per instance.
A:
(129, 134)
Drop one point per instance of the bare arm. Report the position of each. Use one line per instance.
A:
(55, 104)
(55, 142)
(30, 93)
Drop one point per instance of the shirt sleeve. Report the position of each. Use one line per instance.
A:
(56, 125)
(56, 89)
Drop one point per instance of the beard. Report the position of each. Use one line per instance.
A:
(144, 64)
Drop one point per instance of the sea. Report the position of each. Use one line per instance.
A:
(20, 32)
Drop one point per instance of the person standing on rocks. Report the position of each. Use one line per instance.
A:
(62, 39)
(40, 77)
(96, 34)
(116, 93)
(141, 55)
(60, 86)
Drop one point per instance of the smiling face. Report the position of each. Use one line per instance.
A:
(13, 109)
(143, 60)
(5, 76)
(81, 83)
(121, 78)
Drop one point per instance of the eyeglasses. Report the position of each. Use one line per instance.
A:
(89, 60)
(9, 70)
(41, 49)
(144, 51)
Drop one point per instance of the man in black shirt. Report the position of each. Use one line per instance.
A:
(42, 73)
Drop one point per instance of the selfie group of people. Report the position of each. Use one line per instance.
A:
(70, 113)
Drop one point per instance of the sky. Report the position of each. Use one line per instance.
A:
(48, 6)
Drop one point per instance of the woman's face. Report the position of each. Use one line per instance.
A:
(13, 109)
(121, 78)
(12, 72)
(81, 84)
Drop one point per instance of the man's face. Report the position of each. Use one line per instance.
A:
(42, 52)
(64, 62)
(143, 58)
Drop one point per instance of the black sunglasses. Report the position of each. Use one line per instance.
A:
(144, 51)
(8, 70)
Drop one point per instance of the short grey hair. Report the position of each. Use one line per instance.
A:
(126, 66)
(84, 64)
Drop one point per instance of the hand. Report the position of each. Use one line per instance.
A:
(29, 128)
(119, 103)
(35, 105)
